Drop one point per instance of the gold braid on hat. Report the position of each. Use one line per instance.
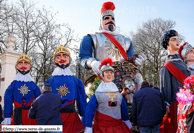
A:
(61, 49)
(24, 57)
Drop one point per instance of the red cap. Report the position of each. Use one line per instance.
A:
(180, 50)
(107, 61)
(107, 6)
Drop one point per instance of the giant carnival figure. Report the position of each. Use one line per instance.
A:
(21, 92)
(172, 76)
(70, 89)
(186, 53)
(107, 106)
(109, 43)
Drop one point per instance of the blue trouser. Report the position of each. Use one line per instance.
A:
(150, 129)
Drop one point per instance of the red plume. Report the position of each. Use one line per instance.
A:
(180, 49)
(107, 6)
(107, 61)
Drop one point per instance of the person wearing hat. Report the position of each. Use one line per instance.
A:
(186, 53)
(172, 76)
(70, 89)
(21, 92)
(108, 105)
(185, 98)
(107, 43)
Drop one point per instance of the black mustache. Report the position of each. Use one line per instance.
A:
(110, 22)
(62, 60)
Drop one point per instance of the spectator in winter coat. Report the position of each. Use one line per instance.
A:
(46, 108)
(148, 109)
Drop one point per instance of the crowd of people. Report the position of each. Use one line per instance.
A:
(164, 109)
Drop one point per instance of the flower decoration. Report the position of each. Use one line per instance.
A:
(187, 94)
(189, 83)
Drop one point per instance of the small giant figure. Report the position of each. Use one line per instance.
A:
(108, 105)
(172, 76)
(21, 93)
(70, 89)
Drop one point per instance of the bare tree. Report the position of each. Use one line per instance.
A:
(6, 25)
(38, 35)
(147, 41)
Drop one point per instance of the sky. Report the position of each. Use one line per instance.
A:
(84, 15)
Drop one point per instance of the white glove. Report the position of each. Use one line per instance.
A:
(81, 117)
(6, 121)
(95, 67)
(141, 60)
(88, 130)
(128, 123)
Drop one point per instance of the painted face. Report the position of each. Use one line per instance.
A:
(108, 76)
(23, 65)
(173, 43)
(62, 58)
(190, 54)
(108, 20)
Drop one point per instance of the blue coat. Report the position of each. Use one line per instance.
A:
(46, 109)
(13, 94)
(74, 89)
(148, 107)
(169, 85)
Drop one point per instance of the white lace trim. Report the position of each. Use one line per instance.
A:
(21, 77)
(110, 32)
(59, 71)
(107, 87)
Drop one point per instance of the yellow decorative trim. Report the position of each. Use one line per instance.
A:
(24, 57)
(24, 89)
(111, 95)
(63, 91)
(61, 49)
(112, 49)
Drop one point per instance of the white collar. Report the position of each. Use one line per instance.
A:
(21, 77)
(107, 87)
(110, 32)
(173, 57)
(59, 71)
(191, 66)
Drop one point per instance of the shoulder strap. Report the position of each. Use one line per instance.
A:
(177, 73)
(117, 44)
